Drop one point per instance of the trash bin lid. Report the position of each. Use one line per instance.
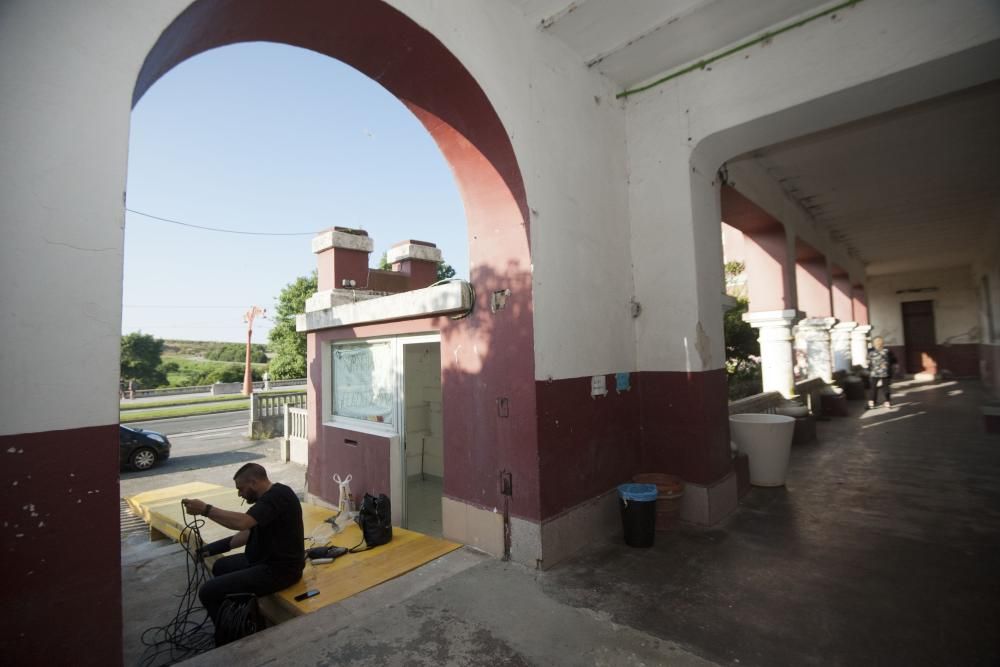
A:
(638, 492)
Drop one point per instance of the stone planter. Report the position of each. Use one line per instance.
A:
(767, 441)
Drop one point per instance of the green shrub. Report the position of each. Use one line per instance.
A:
(742, 354)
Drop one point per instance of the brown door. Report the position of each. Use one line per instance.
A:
(918, 335)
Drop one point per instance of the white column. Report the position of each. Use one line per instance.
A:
(860, 342)
(813, 356)
(775, 335)
(840, 343)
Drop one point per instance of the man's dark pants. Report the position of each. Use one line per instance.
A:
(234, 574)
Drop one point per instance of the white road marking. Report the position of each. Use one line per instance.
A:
(208, 436)
(208, 430)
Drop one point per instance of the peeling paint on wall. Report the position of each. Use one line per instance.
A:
(703, 344)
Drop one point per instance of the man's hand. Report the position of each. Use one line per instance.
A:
(194, 506)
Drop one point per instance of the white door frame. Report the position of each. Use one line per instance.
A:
(397, 456)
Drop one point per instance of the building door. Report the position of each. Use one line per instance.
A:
(918, 336)
(423, 436)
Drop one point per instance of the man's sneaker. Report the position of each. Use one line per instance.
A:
(871, 404)
(887, 404)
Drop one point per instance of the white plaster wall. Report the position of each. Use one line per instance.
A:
(956, 306)
(67, 73)
(876, 56)
(568, 133)
(424, 427)
(66, 76)
(676, 244)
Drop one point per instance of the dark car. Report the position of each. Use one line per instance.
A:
(140, 449)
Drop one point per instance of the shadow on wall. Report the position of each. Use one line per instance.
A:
(488, 389)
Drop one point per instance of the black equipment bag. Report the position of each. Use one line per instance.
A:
(375, 520)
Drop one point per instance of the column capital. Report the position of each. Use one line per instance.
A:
(819, 323)
(845, 326)
(765, 319)
(862, 330)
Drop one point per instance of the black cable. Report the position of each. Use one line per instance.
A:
(189, 633)
(217, 229)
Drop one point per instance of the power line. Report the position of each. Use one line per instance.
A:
(217, 229)
(155, 305)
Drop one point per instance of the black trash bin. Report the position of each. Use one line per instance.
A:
(638, 508)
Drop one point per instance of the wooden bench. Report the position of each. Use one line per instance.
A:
(346, 576)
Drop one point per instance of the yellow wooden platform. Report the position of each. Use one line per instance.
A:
(346, 576)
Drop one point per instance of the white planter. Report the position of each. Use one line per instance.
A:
(767, 442)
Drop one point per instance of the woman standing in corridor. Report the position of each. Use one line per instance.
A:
(881, 361)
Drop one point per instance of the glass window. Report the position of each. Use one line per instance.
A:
(364, 382)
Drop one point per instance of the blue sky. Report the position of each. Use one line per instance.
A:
(268, 138)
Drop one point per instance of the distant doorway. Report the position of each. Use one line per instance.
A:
(918, 336)
(423, 436)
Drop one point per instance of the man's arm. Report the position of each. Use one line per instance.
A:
(232, 520)
(240, 539)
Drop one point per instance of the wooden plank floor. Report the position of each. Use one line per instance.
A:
(346, 576)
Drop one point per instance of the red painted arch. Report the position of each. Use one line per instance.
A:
(370, 36)
(488, 355)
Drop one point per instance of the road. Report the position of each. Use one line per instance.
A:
(178, 425)
(210, 448)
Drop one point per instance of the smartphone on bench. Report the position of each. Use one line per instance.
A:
(305, 596)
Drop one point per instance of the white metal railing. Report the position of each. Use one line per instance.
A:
(205, 388)
(296, 441)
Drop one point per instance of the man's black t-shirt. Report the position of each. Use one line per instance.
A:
(277, 539)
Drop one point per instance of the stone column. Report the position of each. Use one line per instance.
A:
(775, 335)
(813, 355)
(860, 342)
(840, 344)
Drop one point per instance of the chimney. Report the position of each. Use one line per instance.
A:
(342, 256)
(417, 259)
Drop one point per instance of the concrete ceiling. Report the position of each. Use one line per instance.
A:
(909, 190)
(634, 40)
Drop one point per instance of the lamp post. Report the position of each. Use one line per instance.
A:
(248, 317)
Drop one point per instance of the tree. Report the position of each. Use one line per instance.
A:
(742, 353)
(445, 271)
(141, 359)
(287, 345)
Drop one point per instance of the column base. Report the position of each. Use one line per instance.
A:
(708, 505)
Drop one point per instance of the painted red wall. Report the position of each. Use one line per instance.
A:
(813, 287)
(685, 424)
(366, 460)
(960, 359)
(586, 445)
(989, 361)
(335, 265)
(675, 423)
(61, 548)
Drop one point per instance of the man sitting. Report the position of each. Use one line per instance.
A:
(272, 532)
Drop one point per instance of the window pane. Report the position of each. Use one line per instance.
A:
(364, 385)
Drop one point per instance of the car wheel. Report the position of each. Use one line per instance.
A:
(143, 458)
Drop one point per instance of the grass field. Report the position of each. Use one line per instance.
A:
(191, 368)
(184, 411)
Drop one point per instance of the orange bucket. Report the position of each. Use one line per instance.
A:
(670, 492)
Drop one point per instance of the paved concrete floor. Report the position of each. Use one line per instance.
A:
(883, 549)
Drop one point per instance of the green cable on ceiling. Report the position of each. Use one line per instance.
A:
(702, 64)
